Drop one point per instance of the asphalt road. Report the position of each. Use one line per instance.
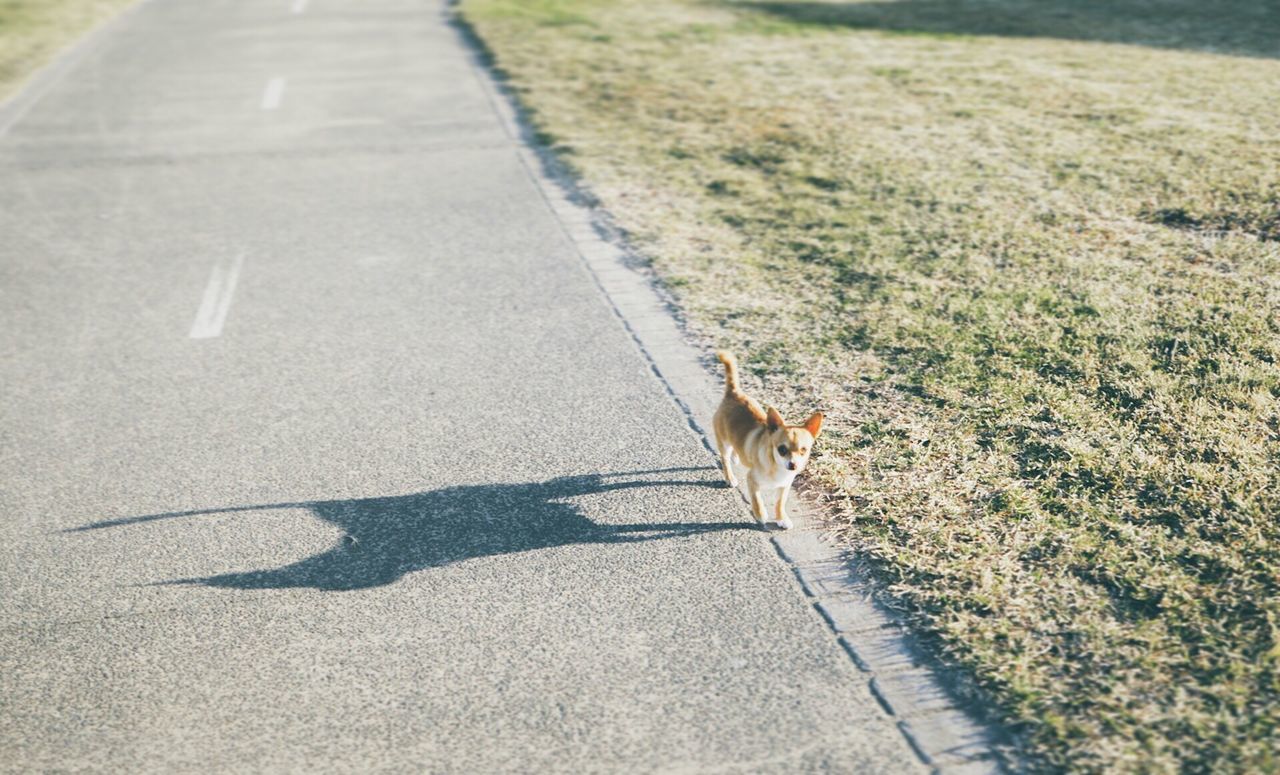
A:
(321, 450)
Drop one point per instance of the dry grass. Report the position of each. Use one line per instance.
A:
(1025, 253)
(32, 31)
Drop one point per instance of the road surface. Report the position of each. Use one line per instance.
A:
(322, 451)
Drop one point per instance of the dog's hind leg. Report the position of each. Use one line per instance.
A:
(757, 500)
(726, 456)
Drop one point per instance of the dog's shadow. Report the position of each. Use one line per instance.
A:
(386, 538)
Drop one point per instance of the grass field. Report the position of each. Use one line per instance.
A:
(32, 31)
(1027, 257)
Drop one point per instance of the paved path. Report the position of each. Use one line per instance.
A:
(321, 450)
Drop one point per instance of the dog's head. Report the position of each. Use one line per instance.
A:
(792, 444)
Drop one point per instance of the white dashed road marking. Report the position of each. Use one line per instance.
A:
(217, 300)
(274, 91)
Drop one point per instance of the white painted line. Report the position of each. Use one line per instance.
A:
(216, 300)
(299, 6)
(271, 97)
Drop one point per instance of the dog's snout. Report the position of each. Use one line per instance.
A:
(791, 465)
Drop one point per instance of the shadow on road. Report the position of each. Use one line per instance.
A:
(1246, 27)
(386, 538)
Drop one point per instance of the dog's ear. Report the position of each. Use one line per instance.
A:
(774, 419)
(814, 424)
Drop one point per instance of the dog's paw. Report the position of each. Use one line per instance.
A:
(785, 523)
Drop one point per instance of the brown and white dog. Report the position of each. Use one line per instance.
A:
(771, 451)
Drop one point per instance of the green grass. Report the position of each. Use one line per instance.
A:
(1025, 254)
(32, 31)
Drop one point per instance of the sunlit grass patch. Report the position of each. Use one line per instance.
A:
(1025, 253)
(32, 31)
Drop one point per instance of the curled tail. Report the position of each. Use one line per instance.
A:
(730, 370)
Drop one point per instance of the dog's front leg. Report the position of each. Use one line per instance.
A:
(780, 510)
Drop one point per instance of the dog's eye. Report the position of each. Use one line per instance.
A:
(782, 450)
(802, 450)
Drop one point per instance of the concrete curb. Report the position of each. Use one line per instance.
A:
(944, 731)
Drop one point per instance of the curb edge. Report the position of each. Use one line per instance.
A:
(942, 731)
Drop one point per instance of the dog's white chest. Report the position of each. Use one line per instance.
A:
(779, 478)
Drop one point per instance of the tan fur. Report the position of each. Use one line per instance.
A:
(753, 435)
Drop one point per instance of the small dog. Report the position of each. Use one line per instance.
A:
(772, 451)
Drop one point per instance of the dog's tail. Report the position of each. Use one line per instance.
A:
(730, 370)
